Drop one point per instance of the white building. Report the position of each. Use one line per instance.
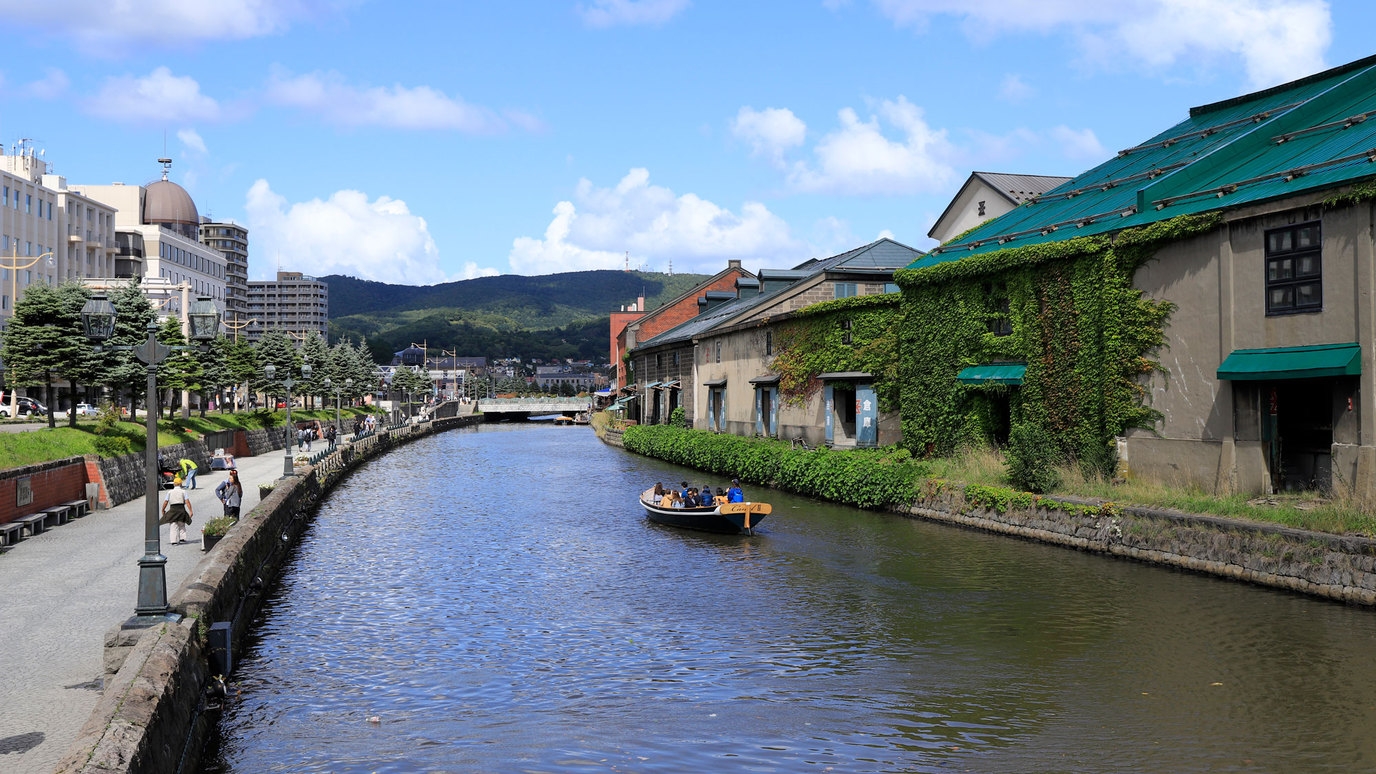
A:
(163, 218)
(294, 303)
(29, 227)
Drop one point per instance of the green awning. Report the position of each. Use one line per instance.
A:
(1311, 362)
(993, 373)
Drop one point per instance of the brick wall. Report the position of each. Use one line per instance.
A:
(43, 486)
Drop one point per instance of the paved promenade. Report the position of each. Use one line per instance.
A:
(62, 591)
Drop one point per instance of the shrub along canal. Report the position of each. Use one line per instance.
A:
(495, 600)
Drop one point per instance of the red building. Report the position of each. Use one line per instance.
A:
(635, 326)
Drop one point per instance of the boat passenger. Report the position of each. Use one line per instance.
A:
(678, 502)
(694, 499)
(683, 491)
(734, 494)
(720, 498)
(667, 499)
(659, 490)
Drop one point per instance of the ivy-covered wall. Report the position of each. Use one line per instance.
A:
(1085, 333)
(814, 342)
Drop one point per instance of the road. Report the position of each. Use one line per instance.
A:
(63, 590)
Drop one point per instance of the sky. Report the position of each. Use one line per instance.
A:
(418, 142)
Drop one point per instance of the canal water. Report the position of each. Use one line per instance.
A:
(493, 600)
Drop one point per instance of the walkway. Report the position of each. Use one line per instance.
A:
(62, 591)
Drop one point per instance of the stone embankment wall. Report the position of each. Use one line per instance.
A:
(155, 713)
(1334, 567)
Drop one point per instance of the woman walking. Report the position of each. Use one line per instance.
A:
(231, 494)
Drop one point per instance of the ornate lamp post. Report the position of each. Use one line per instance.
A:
(98, 322)
(338, 390)
(270, 371)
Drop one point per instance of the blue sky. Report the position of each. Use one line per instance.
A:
(423, 142)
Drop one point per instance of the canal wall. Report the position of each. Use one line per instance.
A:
(1336, 567)
(157, 709)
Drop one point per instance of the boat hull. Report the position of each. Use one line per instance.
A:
(728, 519)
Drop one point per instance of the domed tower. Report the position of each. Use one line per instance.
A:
(167, 204)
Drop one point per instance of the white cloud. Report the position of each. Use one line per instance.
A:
(615, 13)
(1014, 89)
(160, 97)
(377, 240)
(656, 226)
(858, 158)
(397, 107)
(101, 27)
(1276, 40)
(1079, 144)
(193, 141)
(52, 85)
(771, 132)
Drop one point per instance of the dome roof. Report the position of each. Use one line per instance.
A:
(166, 202)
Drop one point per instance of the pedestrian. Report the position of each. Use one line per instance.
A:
(734, 494)
(231, 494)
(331, 434)
(188, 468)
(176, 513)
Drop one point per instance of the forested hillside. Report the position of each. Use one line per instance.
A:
(549, 316)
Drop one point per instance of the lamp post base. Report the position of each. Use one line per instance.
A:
(152, 600)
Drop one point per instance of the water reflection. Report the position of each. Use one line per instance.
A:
(499, 601)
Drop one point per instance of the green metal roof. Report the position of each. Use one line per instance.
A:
(1308, 362)
(993, 373)
(1306, 135)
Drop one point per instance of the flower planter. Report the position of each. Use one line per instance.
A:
(208, 541)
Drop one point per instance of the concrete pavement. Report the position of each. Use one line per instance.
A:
(61, 591)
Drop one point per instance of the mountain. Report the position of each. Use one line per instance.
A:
(548, 316)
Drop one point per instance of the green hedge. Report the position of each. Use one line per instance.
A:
(866, 478)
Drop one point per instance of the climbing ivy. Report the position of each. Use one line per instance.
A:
(1086, 334)
(812, 342)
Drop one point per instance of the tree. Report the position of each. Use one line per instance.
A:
(275, 348)
(181, 369)
(133, 313)
(45, 338)
(315, 352)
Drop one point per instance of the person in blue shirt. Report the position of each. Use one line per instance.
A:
(734, 494)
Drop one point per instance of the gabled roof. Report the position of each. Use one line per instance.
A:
(883, 254)
(690, 293)
(1015, 189)
(1306, 135)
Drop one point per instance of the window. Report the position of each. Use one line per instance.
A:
(981, 209)
(718, 343)
(998, 314)
(1294, 271)
(659, 361)
(675, 359)
(845, 289)
(768, 343)
(846, 332)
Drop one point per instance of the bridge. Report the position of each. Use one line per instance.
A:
(514, 408)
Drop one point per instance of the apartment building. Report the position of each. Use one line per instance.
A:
(294, 303)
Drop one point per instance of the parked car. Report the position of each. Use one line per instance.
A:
(25, 407)
(85, 410)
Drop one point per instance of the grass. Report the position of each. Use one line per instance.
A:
(1308, 511)
(30, 447)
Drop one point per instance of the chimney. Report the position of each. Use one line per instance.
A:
(640, 303)
(734, 263)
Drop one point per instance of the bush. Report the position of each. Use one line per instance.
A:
(866, 478)
(218, 526)
(1032, 459)
(111, 445)
(678, 417)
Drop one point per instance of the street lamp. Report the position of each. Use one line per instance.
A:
(14, 267)
(270, 371)
(98, 323)
(337, 391)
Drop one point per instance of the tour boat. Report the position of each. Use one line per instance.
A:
(729, 518)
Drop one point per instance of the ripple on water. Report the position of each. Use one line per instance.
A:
(498, 602)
